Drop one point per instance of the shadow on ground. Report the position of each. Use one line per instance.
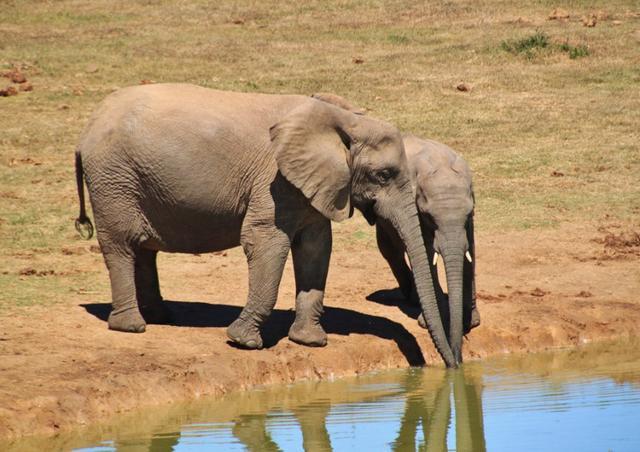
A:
(394, 297)
(340, 321)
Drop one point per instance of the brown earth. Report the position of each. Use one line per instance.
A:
(61, 367)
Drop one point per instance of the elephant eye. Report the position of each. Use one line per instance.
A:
(384, 175)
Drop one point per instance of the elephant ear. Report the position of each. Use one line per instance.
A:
(338, 101)
(312, 152)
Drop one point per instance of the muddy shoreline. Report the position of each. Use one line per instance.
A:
(61, 367)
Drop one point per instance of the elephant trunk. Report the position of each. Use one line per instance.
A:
(404, 218)
(453, 256)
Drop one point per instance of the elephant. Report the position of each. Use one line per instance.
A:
(186, 169)
(444, 196)
(443, 189)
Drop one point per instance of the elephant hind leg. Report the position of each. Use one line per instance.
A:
(148, 288)
(125, 315)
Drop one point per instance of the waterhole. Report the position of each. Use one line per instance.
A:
(583, 400)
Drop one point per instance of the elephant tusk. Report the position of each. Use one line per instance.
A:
(468, 256)
(435, 258)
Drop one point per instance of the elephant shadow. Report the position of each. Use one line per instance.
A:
(196, 314)
(394, 297)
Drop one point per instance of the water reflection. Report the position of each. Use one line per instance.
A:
(584, 399)
(428, 405)
(425, 417)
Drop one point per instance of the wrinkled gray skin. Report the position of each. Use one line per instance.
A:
(443, 191)
(444, 196)
(179, 168)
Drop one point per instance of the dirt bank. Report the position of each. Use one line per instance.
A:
(61, 367)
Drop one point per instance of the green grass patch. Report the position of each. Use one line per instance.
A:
(574, 52)
(527, 45)
(540, 42)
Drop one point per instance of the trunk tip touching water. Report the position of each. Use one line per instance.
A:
(402, 213)
(411, 235)
(454, 262)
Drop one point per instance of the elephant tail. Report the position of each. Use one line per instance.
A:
(83, 223)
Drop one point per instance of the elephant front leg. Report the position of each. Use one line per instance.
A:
(471, 314)
(311, 252)
(266, 253)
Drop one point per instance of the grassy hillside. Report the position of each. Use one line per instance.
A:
(550, 122)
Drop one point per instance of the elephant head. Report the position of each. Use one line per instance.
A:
(445, 200)
(341, 160)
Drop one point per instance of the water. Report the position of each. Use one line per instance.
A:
(584, 400)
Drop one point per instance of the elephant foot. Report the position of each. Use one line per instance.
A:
(128, 321)
(244, 334)
(475, 319)
(308, 333)
(156, 312)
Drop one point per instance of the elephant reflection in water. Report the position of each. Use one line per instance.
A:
(252, 432)
(428, 403)
(157, 443)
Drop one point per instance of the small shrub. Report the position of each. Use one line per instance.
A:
(575, 51)
(527, 45)
(530, 45)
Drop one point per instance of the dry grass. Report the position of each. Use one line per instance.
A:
(524, 119)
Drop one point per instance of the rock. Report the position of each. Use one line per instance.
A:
(8, 91)
(463, 87)
(92, 68)
(589, 21)
(146, 81)
(26, 86)
(556, 173)
(357, 60)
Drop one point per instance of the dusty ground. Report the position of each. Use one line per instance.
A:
(546, 117)
(61, 367)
